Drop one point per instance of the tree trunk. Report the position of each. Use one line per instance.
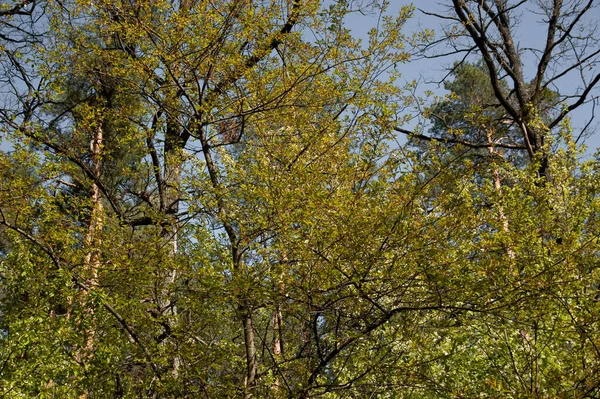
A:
(251, 363)
(93, 243)
(171, 190)
(498, 187)
(277, 336)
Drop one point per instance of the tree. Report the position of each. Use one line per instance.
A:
(490, 30)
(147, 83)
(203, 202)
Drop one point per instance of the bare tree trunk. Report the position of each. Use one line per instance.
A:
(498, 187)
(277, 324)
(172, 180)
(251, 361)
(93, 243)
(278, 336)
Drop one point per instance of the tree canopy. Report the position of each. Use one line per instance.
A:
(209, 199)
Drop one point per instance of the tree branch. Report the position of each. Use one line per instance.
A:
(457, 141)
(577, 103)
(17, 9)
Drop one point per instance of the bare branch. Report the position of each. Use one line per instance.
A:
(17, 9)
(457, 141)
(576, 104)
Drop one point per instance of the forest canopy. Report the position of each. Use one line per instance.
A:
(242, 198)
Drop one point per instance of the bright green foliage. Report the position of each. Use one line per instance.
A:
(256, 236)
